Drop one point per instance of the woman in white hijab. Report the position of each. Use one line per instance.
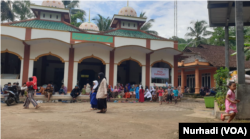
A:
(93, 100)
(88, 89)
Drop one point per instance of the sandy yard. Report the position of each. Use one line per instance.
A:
(122, 120)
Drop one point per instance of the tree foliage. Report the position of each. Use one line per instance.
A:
(6, 11)
(146, 27)
(22, 9)
(102, 22)
(77, 19)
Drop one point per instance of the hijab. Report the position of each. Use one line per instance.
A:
(96, 84)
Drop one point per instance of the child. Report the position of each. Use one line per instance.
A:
(160, 91)
(176, 92)
(230, 103)
(165, 95)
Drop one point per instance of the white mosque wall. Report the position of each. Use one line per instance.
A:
(81, 52)
(121, 54)
(157, 44)
(59, 35)
(121, 41)
(14, 32)
(45, 48)
(13, 46)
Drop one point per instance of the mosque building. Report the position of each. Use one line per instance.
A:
(52, 49)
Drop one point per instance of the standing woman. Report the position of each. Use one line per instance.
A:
(101, 95)
(141, 94)
(137, 91)
(93, 99)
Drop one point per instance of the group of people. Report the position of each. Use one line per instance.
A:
(205, 91)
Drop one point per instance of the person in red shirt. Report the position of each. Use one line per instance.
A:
(32, 86)
(141, 95)
(160, 91)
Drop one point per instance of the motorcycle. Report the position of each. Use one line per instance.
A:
(12, 96)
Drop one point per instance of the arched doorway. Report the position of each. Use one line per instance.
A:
(10, 64)
(162, 65)
(129, 71)
(88, 71)
(49, 69)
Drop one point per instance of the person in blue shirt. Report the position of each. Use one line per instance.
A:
(176, 92)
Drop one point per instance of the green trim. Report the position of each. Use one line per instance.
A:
(45, 25)
(131, 33)
(91, 37)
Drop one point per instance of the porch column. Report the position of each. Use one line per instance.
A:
(21, 71)
(107, 72)
(70, 69)
(143, 78)
(111, 68)
(182, 81)
(147, 70)
(115, 75)
(26, 63)
(31, 68)
(75, 72)
(197, 78)
(66, 71)
(175, 71)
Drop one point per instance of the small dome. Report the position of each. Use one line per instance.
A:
(53, 3)
(127, 11)
(89, 26)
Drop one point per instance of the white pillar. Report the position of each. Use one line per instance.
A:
(115, 75)
(172, 80)
(143, 76)
(21, 73)
(31, 68)
(75, 72)
(107, 72)
(66, 72)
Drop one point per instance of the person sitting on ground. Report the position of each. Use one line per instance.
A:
(127, 95)
(88, 89)
(75, 93)
(115, 92)
(212, 91)
(202, 91)
(109, 93)
(63, 90)
(48, 92)
(121, 91)
(148, 96)
(23, 89)
(84, 90)
(132, 91)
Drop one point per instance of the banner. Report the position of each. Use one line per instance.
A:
(91, 37)
(160, 73)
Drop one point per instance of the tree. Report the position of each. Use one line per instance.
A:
(22, 9)
(198, 32)
(76, 17)
(71, 5)
(102, 22)
(148, 24)
(6, 11)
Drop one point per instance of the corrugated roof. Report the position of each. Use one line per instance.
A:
(45, 25)
(131, 33)
(215, 55)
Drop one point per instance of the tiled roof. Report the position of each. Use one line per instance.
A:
(45, 25)
(131, 33)
(215, 55)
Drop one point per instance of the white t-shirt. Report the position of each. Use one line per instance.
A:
(148, 94)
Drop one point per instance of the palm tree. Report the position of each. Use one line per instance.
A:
(102, 22)
(148, 24)
(22, 10)
(76, 17)
(71, 5)
(198, 31)
(6, 11)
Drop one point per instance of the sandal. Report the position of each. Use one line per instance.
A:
(38, 107)
(100, 112)
(222, 117)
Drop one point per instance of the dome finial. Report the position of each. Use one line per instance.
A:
(127, 3)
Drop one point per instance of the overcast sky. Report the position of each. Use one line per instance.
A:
(161, 11)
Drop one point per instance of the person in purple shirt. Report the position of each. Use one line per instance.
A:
(63, 90)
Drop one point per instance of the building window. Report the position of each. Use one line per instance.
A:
(43, 15)
(57, 17)
(50, 16)
(206, 80)
(134, 25)
(123, 24)
(129, 24)
(159, 80)
(191, 83)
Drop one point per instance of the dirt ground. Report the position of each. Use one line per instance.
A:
(122, 120)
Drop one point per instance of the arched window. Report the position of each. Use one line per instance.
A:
(50, 16)
(57, 17)
(134, 25)
(123, 24)
(43, 15)
(168, 68)
(129, 24)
